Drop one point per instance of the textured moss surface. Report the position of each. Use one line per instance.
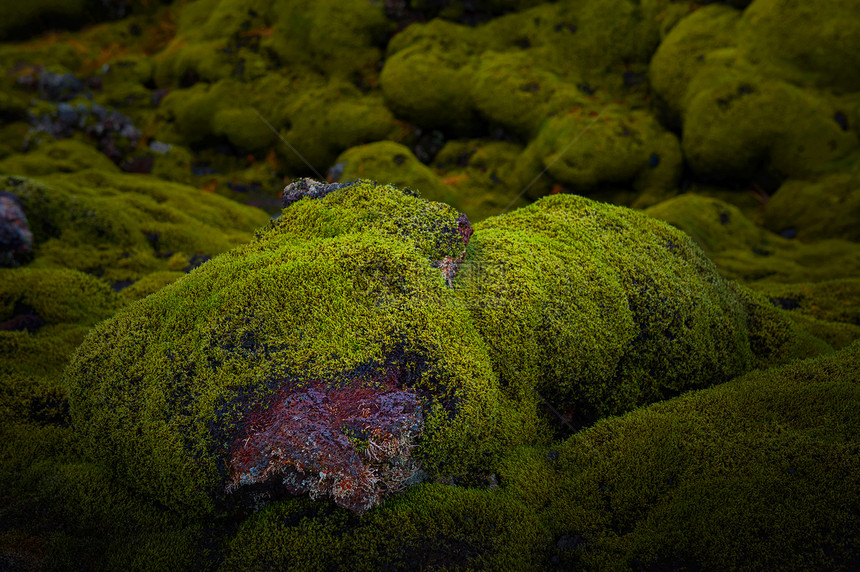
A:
(121, 227)
(586, 307)
(744, 251)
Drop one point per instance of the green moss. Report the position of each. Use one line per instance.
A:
(149, 284)
(440, 54)
(515, 90)
(803, 43)
(690, 482)
(116, 226)
(57, 156)
(743, 251)
(828, 309)
(340, 38)
(681, 55)
(582, 149)
(825, 208)
(482, 175)
(725, 477)
(323, 122)
(349, 282)
(219, 39)
(321, 293)
(59, 296)
(432, 526)
(648, 315)
(741, 109)
(393, 163)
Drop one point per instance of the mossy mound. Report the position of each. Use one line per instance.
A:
(743, 108)
(586, 307)
(57, 156)
(339, 288)
(825, 208)
(392, 163)
(744, 251)
(725, 477)
(121, 227)
(218, 39)
(641, 304)
(585, 149)
(828, 309)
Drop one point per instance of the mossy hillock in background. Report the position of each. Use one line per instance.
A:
(141, 139)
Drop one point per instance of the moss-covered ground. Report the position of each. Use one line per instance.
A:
(646, 357)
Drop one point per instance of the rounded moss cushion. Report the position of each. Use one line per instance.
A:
(363, 343)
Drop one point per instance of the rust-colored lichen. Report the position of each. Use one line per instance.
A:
(350, 443)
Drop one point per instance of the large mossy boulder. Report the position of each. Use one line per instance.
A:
(362, 343)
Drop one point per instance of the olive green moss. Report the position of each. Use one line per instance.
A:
(741, 106)
(69, 302)
(57, 156)
(121, 227)
(758, 473)
(392, 163)
(336, 283)
(583, 149)
(320, 120)
(217, 39)
(829, 309)
(438, 54)
(482, 175)
(777, 36)
(826, 208)
(77, 515)
(744, 251)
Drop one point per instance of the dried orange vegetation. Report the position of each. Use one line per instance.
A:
(456, 179)
(161, 33)
(260, 32)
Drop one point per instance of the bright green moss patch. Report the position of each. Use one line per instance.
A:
(602, 309)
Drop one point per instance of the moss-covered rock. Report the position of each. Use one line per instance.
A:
(121, 227)
(57, 156)
(639, 302)
(392, 163)
(742, 107)
(585, 148)
(438, 54)
(353, 299)
(825, 208)
(744, 251)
